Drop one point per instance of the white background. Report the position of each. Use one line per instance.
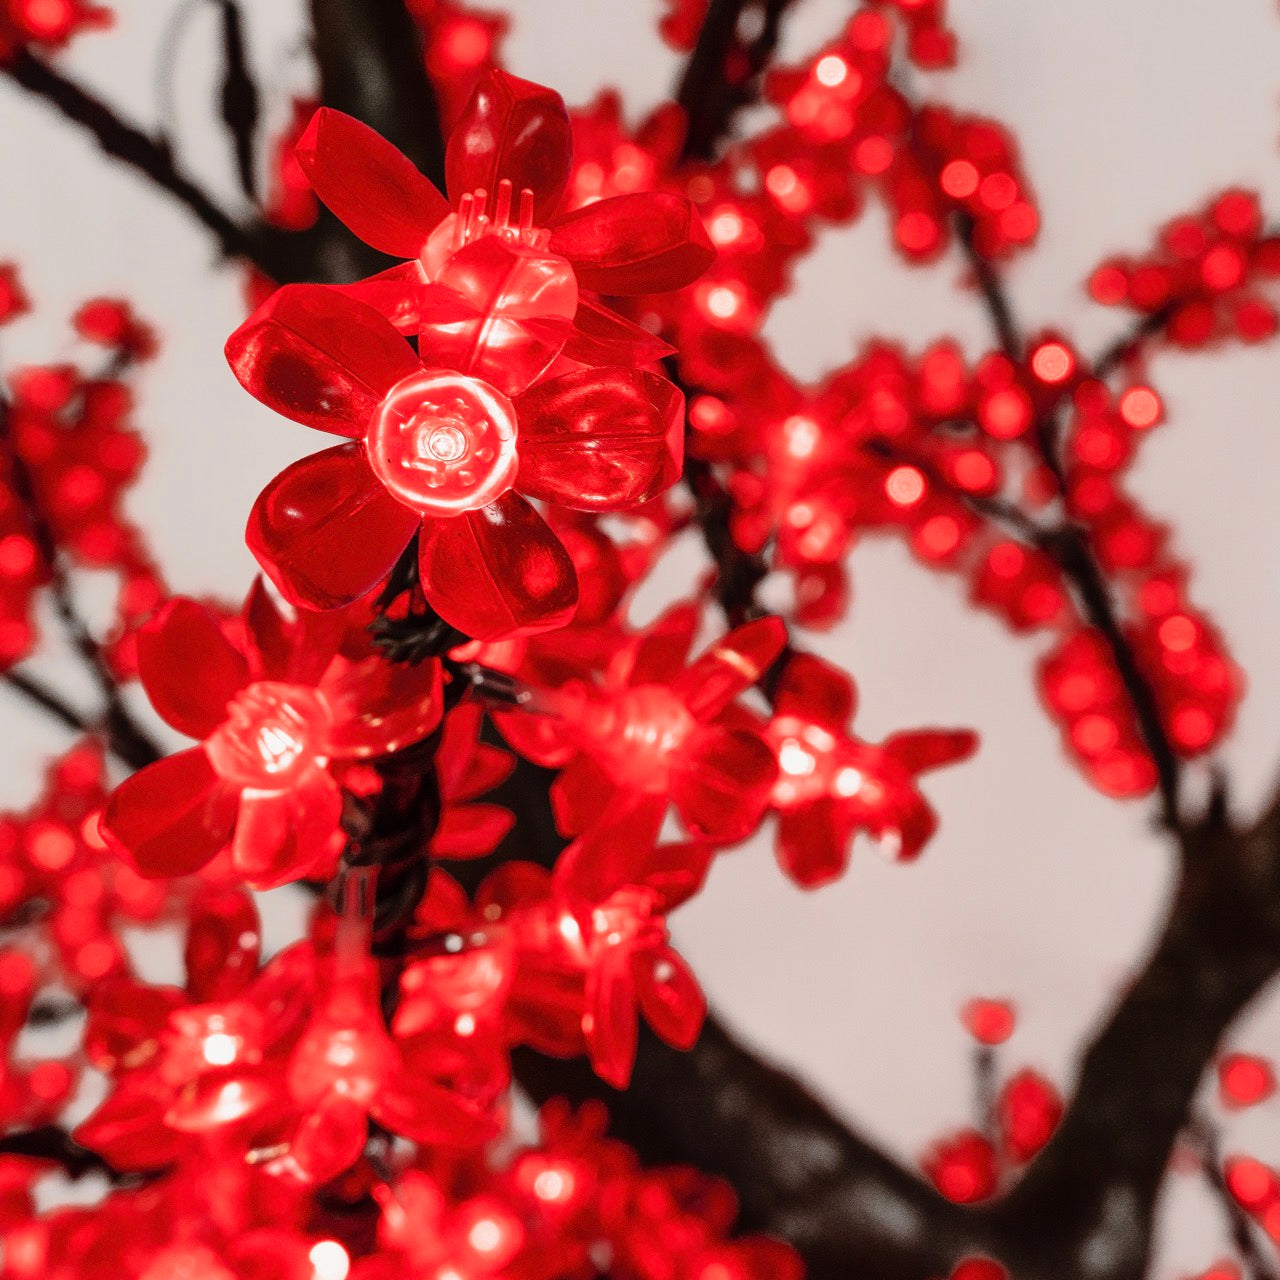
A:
(1128, 111)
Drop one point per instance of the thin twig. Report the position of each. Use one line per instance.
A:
(129, 740)
(1205, 1140)
(126, 142)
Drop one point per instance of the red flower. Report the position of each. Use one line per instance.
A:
(658, 732)
(831, 785)
(442, 449)
(508, 162)
(272, 713)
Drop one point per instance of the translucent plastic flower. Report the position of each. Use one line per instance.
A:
(507, 165)
(442, 450)
(658, 732)
(831, 785)
(273, 714)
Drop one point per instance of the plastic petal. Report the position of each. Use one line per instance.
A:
(658, 653)
(502, 313)
(326, 531)
(223, 944)
(647, 242)
(581, 795)
(609, 1023)
(280, 834)
(399, 294)
(927, 749)
(816, 691)
(601, 336)
(379, 707)
(319, 357)
(613, 853)
(270, 634)
(516, 130)
(189, 668)
(499, 571)
(669, 995)
(173, 816)
(471, 831)
(813, 843)
(723, 784)
(600, 439)
(732, 664)
(421, 1110)
(369, 184)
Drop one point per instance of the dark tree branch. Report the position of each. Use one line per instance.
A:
(1127, 345)
(1069, 547)
(129, 144)
(239, 96)
(1256, 1263)
(735, 43)
(47, 700)
(57, 1146)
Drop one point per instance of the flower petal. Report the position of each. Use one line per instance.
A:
(326, 531)
(399, 294)
(815, 691)
(379, 707)
(471, 831)
(670, 998)
(732, 664)
(926, 749)
(281, 835)
(647, 242)
(319, 357)
(369, 184)
(615, 850)
(601, 336)
(516, 130)
(813, 842)
(502, 314)
(499, 571)
(189, 668)
(581, 795)
(609, 1021)
(723, 784)
(173, 816)
(600, 439)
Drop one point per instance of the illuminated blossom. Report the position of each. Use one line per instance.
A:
(274, 713)
(442, 450)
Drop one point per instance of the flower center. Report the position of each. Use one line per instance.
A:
(640, 735)
(477, 216)
(274, 734)
(443, 443)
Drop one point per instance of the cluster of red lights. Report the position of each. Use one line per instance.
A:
(1208, 272)
(527, 444)
(71, 436)
(972, 1164)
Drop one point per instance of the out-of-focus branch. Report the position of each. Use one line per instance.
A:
(1243, 1234)
(1069, 543)
(131, 145)
(734, 46)
(127, 738)
(57, 1146)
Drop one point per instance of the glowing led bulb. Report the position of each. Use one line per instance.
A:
(639, 736)
(273, 735)
(443, 443)
(329, 1261)
(219, 1049)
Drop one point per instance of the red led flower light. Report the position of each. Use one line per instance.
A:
(274, 714)
(445, 451)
